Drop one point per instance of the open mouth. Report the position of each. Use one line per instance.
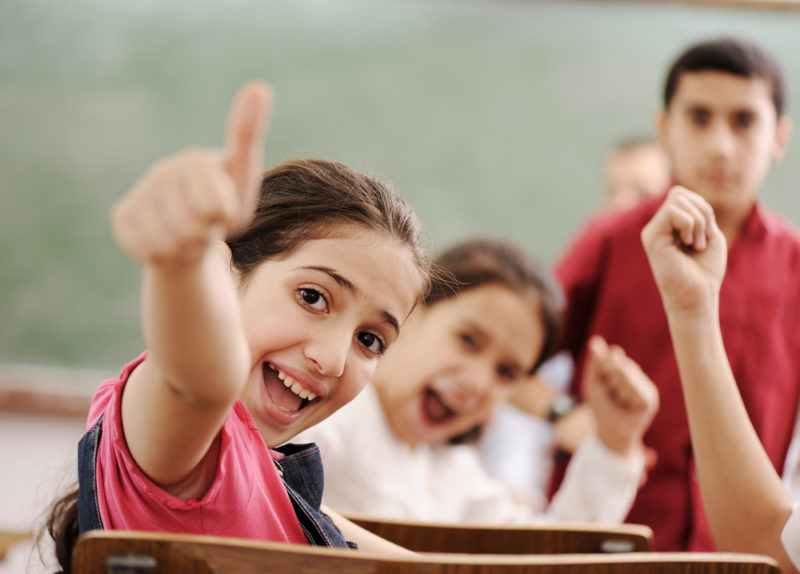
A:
(287, 394)
(434, 409)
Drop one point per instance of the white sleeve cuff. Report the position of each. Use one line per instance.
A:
(790, 536)
(600, 485)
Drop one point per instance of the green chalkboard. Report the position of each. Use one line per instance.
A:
(491, 117)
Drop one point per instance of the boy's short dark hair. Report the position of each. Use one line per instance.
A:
(730, 55)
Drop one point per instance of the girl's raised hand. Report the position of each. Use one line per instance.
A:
(173, 214)
(622, 397)
(687, 252)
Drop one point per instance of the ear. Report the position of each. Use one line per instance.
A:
(783, 133)
(660, 121)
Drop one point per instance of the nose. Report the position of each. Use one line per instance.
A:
(328, 351)
(721, 140)
(475, 384)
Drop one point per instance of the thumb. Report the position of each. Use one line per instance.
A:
(247, 125)
(598, 349)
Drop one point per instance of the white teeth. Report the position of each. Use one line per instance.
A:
(293, 385)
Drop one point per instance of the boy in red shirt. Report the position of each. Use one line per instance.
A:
(723, 126)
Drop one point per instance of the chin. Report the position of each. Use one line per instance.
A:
(442, 436)
(416, 433)
(277, 439)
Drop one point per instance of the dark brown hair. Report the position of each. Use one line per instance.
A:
(310, 199)
(479, 262)
(300, 200)
(62, 526)
(730, 55)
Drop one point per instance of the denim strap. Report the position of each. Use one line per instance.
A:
(301, 470)
(88, 508)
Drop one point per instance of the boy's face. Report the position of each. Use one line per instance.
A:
(722, 134)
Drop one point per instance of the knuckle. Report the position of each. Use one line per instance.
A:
(191, 155)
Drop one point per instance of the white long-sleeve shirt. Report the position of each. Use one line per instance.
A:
(368, 470)
(790, 536)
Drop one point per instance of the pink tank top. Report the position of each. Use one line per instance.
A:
(247, 498)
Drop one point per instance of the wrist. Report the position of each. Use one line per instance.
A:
(623, 446)
(706, 309)
(693, 324)
(561, 405)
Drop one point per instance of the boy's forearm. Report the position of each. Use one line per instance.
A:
(193, 328)
(746, 503)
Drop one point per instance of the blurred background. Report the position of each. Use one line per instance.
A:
(491, 117)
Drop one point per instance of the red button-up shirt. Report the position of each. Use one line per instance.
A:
(610, 291)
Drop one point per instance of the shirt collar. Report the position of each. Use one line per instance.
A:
(758, 223)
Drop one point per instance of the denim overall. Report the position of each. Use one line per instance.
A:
(300, 469)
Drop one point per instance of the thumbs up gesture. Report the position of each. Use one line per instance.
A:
(173, 214)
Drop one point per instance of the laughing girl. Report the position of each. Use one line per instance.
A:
(267, 301)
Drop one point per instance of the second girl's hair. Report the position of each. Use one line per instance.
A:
(309, 199)
(480, 262)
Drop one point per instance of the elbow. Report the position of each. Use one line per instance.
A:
(758, 535)
(210, 384)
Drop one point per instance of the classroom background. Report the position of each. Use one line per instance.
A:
(492, 117)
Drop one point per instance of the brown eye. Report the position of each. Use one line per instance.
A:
(507, 374)
(468, 341)
(700, 118)
(742, 120)
(371, 342)
(312, 298)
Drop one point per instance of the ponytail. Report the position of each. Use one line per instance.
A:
(62, 526)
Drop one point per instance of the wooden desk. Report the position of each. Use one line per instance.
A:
(550, 538)
(192, 554)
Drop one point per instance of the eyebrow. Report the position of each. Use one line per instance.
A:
(693, 107)
(341, 281)
(706, 107)
(349, 286)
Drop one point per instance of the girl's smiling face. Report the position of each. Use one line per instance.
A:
(456, 360)
(317, 321)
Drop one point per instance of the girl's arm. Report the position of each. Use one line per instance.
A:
(366, 540)
(622, 397)
(746, 503)
(173, 222)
